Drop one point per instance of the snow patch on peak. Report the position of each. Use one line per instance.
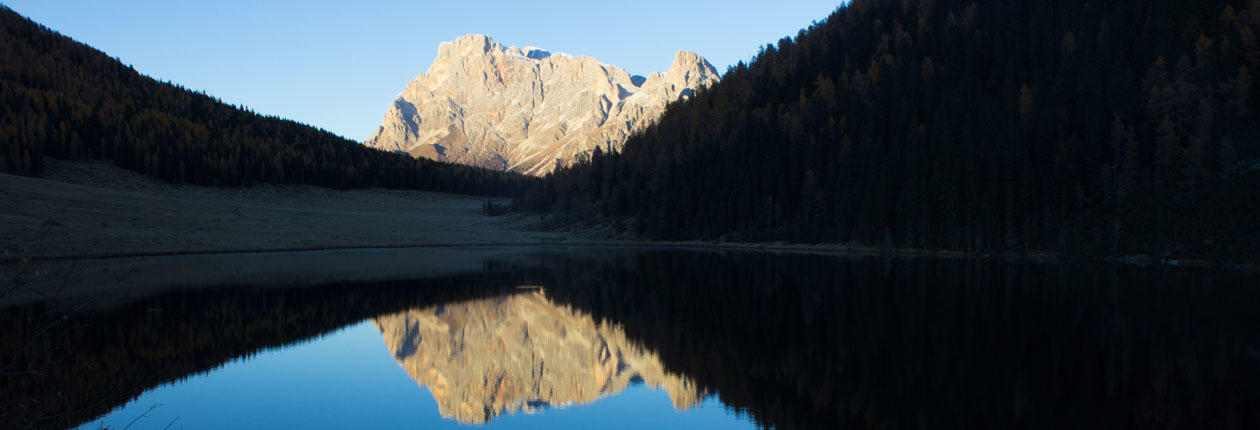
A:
(536, 53)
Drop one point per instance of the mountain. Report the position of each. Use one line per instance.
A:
(527, 110)
(63, 99)
(1081, 127)
(483, 358)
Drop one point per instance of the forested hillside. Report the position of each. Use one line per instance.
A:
(1082, 126)
(63, 99)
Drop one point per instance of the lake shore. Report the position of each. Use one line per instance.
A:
(90, 231)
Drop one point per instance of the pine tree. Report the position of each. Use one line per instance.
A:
(1167, 150)
(1125, 162)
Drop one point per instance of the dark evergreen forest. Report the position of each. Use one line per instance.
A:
(64, 99)
(1092, 127)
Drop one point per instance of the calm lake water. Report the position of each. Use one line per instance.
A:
(608, 338)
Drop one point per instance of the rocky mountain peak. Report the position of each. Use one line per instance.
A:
(529, 110)
(470, 41)
(688, 63)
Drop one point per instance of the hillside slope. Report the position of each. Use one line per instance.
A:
(63, 99)
(1077, 126)
(92, 209)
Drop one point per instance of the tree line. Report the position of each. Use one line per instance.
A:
(1111, 127)
(64, 99)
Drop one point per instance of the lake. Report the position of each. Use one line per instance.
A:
(633, 338)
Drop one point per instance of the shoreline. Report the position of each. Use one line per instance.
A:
(105, 281)
(85, 223)
(775, 247)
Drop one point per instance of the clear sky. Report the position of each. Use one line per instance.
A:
(339, 64)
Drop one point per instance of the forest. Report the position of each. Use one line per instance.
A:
(1119, 128)
(63, 99)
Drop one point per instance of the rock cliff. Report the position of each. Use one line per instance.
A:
(527, 110)
(484, 358)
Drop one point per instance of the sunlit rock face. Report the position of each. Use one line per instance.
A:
(527, 110)
(484, 358)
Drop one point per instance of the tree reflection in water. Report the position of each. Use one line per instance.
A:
(817, 342)
(96, 361)
(793, 341)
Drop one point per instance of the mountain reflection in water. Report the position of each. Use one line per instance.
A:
(485, 357)
(791, 341)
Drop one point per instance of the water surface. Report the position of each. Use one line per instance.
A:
(673, 339)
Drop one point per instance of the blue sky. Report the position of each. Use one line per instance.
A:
(338, 64)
